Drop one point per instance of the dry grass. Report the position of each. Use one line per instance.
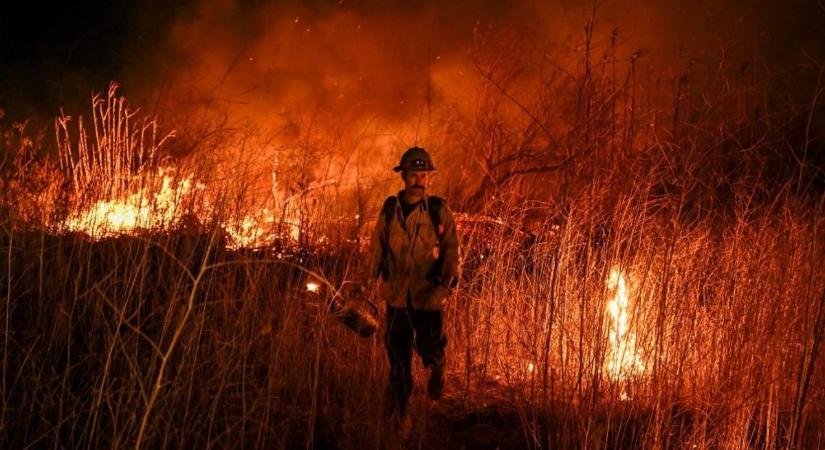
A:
(167, 339)
(173, 341)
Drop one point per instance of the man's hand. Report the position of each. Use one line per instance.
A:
(437, 297)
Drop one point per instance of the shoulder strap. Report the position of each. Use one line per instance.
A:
(434, 205)
(389, 209)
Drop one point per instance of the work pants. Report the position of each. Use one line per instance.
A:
(409, 328)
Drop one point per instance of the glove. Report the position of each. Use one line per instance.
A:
(436, 298)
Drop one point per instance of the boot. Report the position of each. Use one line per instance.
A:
(435, 386)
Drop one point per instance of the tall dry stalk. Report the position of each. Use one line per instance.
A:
(125, 144)
(175, 340)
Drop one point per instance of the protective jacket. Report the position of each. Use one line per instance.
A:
(406, 250)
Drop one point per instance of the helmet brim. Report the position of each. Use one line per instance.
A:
(413, 169)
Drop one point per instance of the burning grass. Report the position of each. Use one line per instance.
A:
(142, 309)
(652, 337)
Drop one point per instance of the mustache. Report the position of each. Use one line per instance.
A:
(417, 186)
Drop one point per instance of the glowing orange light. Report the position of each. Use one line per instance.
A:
(622, 360)
(146, 208)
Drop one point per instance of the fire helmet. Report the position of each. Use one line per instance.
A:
(415, 159)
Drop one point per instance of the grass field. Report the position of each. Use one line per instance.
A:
(673, 299)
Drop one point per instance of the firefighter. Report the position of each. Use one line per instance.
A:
(414, 251)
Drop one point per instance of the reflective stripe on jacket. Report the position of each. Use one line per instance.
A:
(412, 249)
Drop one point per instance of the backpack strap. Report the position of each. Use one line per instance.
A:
(434, 205)
(388, 211)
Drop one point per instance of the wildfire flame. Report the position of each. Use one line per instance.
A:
(159, 200)
(622, 360)
(147, 208)
(250, 231)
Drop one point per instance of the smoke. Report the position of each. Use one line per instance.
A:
(365, 60)
(337, 71)
(352, 61)
(328, 76)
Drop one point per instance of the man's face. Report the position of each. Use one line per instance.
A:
(415, 183)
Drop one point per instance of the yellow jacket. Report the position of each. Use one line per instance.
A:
(412, 248)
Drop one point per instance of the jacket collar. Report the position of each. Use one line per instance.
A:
(423, 204)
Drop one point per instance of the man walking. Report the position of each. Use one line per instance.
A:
(414, 250)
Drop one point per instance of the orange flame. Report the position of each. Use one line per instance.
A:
(622, 360)
(249, 231)
(146, 208)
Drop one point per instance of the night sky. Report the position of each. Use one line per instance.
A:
(55, 54)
